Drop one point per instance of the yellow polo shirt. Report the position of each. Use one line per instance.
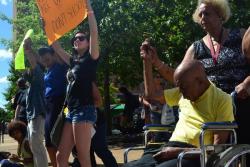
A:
(213, 106)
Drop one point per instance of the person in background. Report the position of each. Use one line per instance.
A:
(19, 101)
(18, 130)
(55, 90)
(35, 105)
(131, 103)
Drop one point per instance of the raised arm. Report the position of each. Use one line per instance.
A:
(150, 90)
(64, 56)
(94, 43)
(61, 54)
(165, 71)
(29, 53)
(148, 78)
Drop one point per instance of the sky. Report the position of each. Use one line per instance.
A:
(5, 54)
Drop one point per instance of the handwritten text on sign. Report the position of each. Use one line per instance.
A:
(61, 16)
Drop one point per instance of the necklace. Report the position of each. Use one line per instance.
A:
(215, 53)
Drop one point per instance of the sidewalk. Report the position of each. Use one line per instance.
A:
(117, 149)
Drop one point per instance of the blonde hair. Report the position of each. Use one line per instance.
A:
(221, 7)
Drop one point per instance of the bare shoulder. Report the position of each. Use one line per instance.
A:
(247, 32)
(189, 54)
(246, 44)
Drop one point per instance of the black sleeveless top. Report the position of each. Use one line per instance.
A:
(231, 67)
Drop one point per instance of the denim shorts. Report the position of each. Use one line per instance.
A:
(83, 114)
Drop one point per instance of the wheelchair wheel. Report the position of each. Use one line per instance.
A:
(232, 155)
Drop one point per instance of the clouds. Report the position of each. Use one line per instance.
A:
(5, 54)
(4, 2)
(3, 80)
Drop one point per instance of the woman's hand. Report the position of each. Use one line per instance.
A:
(94, 37)
(148, 52)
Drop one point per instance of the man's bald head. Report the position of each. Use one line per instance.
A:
(246, 43)
(193, 68)
(191, 78)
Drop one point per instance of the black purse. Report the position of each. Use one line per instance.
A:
(56, 132)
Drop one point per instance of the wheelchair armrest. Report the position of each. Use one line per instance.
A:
(125, 154)
(158, 126)
(188, 154)
(219, 126)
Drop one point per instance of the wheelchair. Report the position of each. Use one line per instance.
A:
(223, 155)
(229, 154)
(148, 130)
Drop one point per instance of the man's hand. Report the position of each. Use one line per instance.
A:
(167, 153)
(27, 44)
(242, 90)
(29, 53)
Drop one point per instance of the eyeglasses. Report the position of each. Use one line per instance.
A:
(80, 38)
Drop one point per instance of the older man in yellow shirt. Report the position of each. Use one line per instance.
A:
(199, 102)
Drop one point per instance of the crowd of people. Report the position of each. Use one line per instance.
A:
(212, 68)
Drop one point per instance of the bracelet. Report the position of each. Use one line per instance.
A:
(160, 66)
(90, 12)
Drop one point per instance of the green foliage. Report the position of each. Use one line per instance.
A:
(5, 116)
(123, 25)
(113, 94)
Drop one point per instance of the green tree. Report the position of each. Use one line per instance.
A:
(123, 25)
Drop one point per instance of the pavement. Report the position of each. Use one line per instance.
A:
(117, 145)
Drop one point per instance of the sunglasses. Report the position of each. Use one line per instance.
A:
(80, 38)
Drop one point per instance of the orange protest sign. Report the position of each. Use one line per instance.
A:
(61, 16)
